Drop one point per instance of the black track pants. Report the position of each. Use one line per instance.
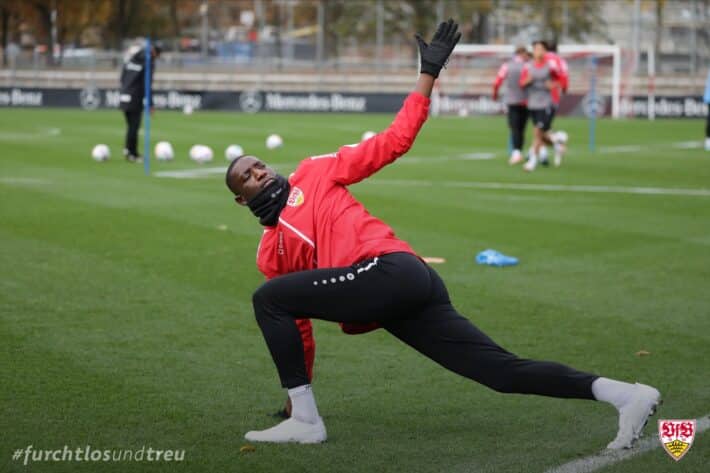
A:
(133, 124)
(517, 119)
(410, 301)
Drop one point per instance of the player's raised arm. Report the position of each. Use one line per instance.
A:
(355, 163)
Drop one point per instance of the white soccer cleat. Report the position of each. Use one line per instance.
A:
(515, 158)
(634, 415)
(290, 430)
(530, 165)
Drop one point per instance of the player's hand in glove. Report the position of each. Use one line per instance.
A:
(435, 54)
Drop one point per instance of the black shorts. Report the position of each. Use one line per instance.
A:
(542, 118)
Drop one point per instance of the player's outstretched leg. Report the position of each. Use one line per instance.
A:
(439, 332)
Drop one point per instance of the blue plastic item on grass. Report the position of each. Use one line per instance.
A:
(495, 258)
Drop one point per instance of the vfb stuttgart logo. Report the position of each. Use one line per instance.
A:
(676, 436)
(295, 198)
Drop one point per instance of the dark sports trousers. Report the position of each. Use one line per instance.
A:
(517, 119)
(410, 301)
(133, 124)
(707, 124)
(542, 118)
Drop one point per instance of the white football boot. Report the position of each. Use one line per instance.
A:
(634, 415)
(515, 158)
(290, 430)
(531, 164)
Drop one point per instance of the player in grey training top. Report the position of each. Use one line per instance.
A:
(515, 99)
(538, 77)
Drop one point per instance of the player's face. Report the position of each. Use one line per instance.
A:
(248, 177)
(539, 51)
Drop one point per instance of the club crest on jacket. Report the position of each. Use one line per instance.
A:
(295, 198)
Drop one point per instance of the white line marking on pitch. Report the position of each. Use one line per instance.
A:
(191, 173)
(620, 149)
(435, 159)
(609, 457)
(547, 187)
(687, 144)
(21, 181)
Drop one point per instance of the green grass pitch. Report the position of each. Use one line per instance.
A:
(125, 310)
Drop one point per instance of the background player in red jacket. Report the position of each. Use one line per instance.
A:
(516, 98)
(559, 87)
(539, 77)
(329, 259)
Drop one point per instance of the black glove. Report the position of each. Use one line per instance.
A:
(435, 54)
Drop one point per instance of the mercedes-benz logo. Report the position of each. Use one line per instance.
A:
(594, 106)
(251, 101)
(90, 98)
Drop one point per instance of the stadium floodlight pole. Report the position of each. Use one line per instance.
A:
(146, 106)
(592, 103)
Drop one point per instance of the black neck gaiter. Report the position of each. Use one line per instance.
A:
(267, 204)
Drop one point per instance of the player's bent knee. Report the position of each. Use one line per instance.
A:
(261, 296)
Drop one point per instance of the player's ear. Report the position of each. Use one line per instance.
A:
(240, 200)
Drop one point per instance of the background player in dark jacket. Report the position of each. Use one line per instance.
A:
(132, 97)
(327, 258)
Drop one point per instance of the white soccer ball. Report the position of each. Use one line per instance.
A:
(164, 151)
(188, 109)
(233, 152)
(561, 137)
(367, 135)
(274, 141)
(100, 153)
(201, 153)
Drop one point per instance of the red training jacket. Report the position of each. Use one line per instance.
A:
(563, 76)
(323, 226)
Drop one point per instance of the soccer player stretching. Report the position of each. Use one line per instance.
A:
(327, 258)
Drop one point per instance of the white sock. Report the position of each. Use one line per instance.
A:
(516, 153)
(617, 393)
(532, 154)
(543, 152)
(303, 404)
